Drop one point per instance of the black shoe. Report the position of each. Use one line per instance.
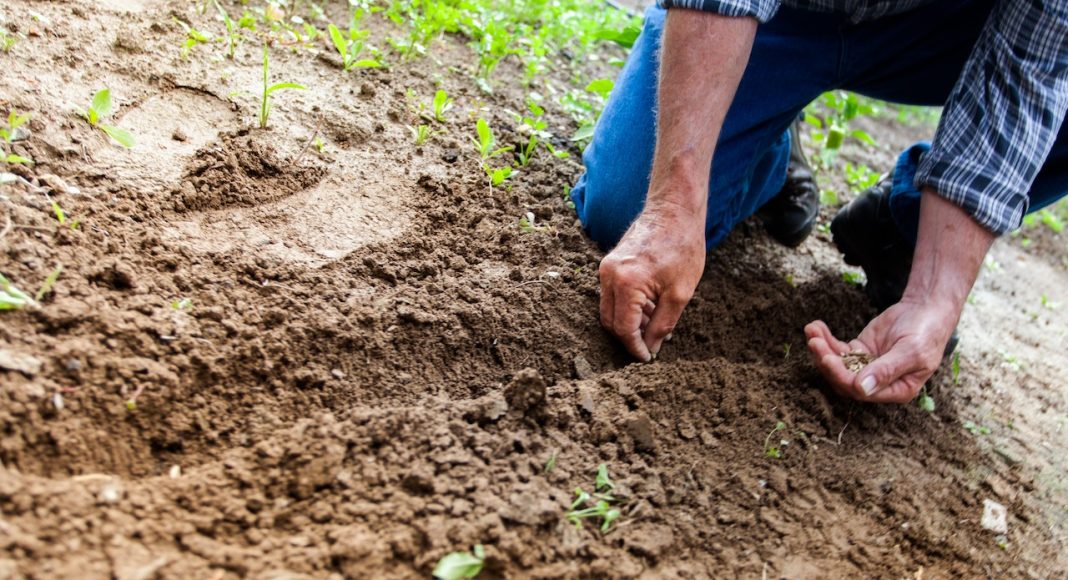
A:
(791, 214)
(867, 236)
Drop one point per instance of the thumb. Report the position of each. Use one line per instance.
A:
(664, 318)
(883, 371)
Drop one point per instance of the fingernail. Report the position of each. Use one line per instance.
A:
(868, 384)
(668, 337)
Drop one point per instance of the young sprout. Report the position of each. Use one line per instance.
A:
(232, 34)
(100, 109)
(498, 175)
(603, 482)
(50, 281)
(486, 141)
(421, 133)
(459, 565)
(349, 47)
(8, 134)
(268, 89)
(601, 86)
(442, 104)
(11, 298)
(924, 401)
(770, 450)
(854, 278)
(955, 368)
(193, 37)
(551, 463)
(6, 40)
(182, 304)
(602, 508)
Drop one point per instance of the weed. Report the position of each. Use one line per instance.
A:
(99, 110)
(924, 401)
(770, 450)
(460, 564)
(603, 482)
(498, 175)
(786, 346)
(442, 104)
(832, 130)
(829, 197)
(955, 368)
(975, 429)
(268, 89)
(601, 87)
(349, 46)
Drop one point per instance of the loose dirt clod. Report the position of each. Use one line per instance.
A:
(856, 360)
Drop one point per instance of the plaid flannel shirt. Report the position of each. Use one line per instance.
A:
(1004, 113)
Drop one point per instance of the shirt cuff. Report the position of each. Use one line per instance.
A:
(978, 190)
(762, 10)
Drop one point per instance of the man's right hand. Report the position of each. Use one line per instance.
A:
(648, 279)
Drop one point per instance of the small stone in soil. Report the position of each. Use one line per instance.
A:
(856, 360)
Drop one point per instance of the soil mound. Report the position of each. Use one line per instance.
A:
(241, 170)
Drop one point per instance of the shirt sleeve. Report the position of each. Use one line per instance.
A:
(1003, 115)
(762, 10)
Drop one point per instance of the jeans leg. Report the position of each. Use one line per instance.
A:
(792, 62)
(619, 158)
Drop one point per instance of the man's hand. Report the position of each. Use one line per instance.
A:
(648, 279)
(651, 274)
(906, 342)
(907, 339)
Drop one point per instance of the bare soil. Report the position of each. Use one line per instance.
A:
(377, 362)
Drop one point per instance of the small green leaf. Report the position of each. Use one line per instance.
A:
(122, 136)
(339, 41)
(367, 63)
(584, 132)
(603, 481)
(601, 87)
(61, 216)
(459, 565)
(101, 105)
(50, 281)
(281, 86)
(18, 159)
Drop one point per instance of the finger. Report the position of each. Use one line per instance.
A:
(627, 320)
(830, 365)
(819, 329)
(893, 365)
(608, 306)
(900, 391)
(649, 307)
(665, 317)
(645, 323)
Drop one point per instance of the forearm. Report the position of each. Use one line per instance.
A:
(949, 252)
(703, 57)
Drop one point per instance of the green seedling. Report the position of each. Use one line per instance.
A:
(442, 105)
(459, 565)
(349, 46)
(233, 34)
(601, 87)
(1047, 303)
(49, 281)
(11, 298)
(7, 40)
(182, 304)
(61, 216)
(99, 110)
(319, 144)
(268, 89)
(498, 175)
(854, 278)
(527, 225)
(770, 450)
(924, 401)
(421, 133)
(955, 368)
(829, 198)
(975, 429)
(602, 508)
(193, 37)
(14, 121)
(860, 177)
(786, 346)
(551, 463)
(486, 142)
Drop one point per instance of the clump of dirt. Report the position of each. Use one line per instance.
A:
(243, 170)
(856, 360)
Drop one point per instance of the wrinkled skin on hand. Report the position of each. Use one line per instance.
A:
(906, 342)
(648, 279)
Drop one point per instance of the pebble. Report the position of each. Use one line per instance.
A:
(995, 517)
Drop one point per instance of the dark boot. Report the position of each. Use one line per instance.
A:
(791, 214)
(867, 236)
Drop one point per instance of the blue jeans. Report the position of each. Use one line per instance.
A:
(912, 58)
